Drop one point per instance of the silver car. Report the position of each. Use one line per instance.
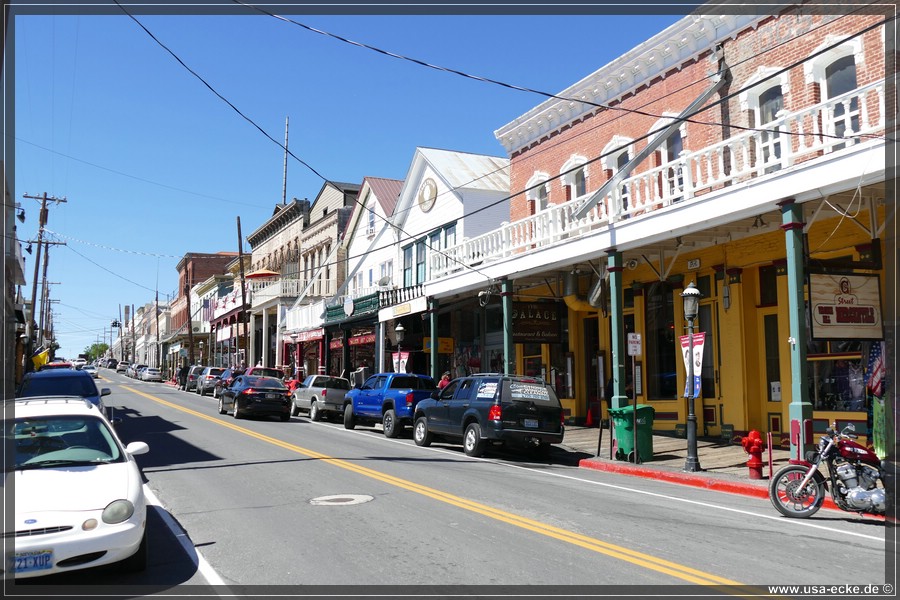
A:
(151, 374)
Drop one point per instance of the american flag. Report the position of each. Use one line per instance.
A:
(875, 370)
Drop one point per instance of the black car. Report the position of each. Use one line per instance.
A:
(62, 382)
(249, 395)
(491, 409)
(225, 379)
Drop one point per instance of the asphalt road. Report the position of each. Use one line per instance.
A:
(265, 503)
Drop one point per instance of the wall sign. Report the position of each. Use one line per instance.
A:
(536, 322)
(845, 307)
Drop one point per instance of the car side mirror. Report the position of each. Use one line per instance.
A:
(436, 394)
(105, 392)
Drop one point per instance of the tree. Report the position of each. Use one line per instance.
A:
(95, 351)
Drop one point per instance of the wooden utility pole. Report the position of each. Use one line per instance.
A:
(29, 325)
(133, 337)
(244, 317)
(190, 326)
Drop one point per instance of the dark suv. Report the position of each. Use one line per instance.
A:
(491, 408)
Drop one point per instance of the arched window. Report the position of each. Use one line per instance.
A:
(574, 179)
(615, 155)
(834, 72)
(537, 191)
(765, 103)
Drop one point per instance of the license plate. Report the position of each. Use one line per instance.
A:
(273, 396)
(531, 423)
(37, 560)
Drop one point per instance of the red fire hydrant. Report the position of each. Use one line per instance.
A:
(753, 446)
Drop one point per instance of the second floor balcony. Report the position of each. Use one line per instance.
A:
(263, 292)
(791, 145)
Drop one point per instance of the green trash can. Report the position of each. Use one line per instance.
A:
(622, 419)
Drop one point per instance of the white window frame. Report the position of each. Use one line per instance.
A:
(533, 190)
(569, 172)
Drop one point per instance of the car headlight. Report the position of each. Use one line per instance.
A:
(117, 512)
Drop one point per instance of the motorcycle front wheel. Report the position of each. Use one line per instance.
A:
(789, 499)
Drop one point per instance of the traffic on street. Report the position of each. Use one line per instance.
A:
(241, 505)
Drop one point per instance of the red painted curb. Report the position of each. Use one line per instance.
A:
(717, 485)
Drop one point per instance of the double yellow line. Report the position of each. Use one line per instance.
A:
(619, 552)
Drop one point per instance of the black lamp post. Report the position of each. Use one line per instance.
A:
(691, 296)
(400, 331)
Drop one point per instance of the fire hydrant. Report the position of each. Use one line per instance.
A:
(753, 446)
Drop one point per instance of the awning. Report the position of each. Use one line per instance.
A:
(261, 273)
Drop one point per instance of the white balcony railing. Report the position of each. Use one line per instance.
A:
(264, 291)
(792, 138)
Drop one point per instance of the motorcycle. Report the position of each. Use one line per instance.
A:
(854, 472)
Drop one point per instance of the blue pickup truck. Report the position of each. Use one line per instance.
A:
(387, 398)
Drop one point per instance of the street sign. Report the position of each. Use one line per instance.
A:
(634, 344)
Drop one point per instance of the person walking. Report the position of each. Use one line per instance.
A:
(182, 377)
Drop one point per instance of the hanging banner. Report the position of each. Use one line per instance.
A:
(400, 359)
(699, 338)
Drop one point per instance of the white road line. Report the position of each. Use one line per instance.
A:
(181, 535)
(782, 520)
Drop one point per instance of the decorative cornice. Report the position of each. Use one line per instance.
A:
(684, 41)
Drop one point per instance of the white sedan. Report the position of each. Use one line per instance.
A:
(79, 499)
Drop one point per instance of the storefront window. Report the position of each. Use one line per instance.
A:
(836, 375)
(662, 381)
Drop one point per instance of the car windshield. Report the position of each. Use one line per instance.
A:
(266, 372)
(415, 383)
(266, 382)
(80, 385)
(54, 441)
(334, 383)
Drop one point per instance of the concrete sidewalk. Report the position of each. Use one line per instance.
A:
(723, 464)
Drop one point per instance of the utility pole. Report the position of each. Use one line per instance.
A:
(121, 341)
(245, 319)
(42, 221)
(133, 338)
(190, 326)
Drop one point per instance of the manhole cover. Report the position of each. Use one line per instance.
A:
(340, 500)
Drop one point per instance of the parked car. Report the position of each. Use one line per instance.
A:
(79, 499)
(257, 396)
(225, 380)
(193, 374)
(122, 366)
(386, 398)
(151, 374)
(492, 409)
(320, 395)
(62, 382)
(134, 371)
(206, 381)
(57, 364)
(265, 372)
(91, 370)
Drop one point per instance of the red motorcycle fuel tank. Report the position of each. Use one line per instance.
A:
(851, 450)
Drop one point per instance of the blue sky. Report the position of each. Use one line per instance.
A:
(153, 165)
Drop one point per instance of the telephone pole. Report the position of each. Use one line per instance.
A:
(30, 324)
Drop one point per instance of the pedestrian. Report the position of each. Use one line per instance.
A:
(182, 377)
(445, 379)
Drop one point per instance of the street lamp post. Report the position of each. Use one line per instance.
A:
(691, 296)
(400, 332)
(294, 337)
